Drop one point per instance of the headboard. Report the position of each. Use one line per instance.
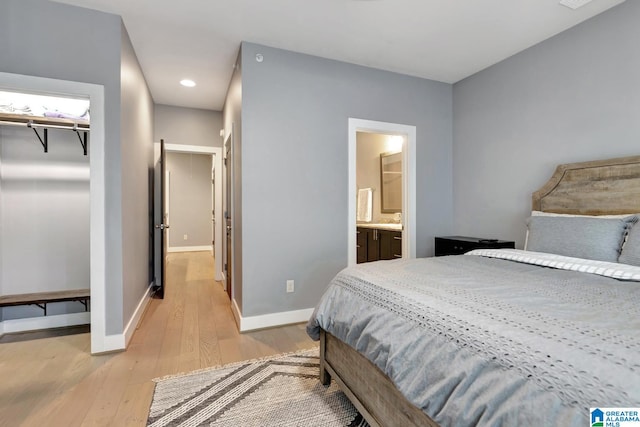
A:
(601, 187)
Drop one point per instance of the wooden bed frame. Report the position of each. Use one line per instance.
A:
(603, 187)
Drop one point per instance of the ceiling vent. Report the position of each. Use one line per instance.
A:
(574, 4)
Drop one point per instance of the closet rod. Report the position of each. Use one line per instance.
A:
(39, 125)
(45, 140)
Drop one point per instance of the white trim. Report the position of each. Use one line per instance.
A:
(166, 219)
(236, 312)
(137, 315)
(190, 249)
(180, 148)
(229, 164)
(113, 343)
(408, 184)
(269, 320)
(44, 322)
(97, 184)
(217, 153)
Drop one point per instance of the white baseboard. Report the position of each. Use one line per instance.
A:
(119, 342)
(44, 322)
(269, 320)
(137, 315)
(112, 343)
(189, 248)
(236, 313)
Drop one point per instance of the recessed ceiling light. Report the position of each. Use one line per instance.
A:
(574, 4)
(187, 83)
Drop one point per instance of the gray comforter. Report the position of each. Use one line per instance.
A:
(481, 341)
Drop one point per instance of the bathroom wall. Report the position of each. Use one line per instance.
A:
(369, 146)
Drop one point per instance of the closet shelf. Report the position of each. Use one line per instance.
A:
(46, 123)
(22, 119)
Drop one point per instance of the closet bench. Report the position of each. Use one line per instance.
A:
(41, 299)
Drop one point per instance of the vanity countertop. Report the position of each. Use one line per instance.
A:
(382, 226)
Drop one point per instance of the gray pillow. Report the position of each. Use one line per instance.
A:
(631, 249)
(580, 237)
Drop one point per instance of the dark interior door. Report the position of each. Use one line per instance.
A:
(228, 264)
(163, 226)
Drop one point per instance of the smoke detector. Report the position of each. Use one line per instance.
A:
(574, 4)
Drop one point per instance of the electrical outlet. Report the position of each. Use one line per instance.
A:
(290, 286)
(185, 237)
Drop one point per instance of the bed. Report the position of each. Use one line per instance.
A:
(500, 337)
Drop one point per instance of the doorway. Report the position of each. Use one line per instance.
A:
(216, 162)
(408, 133)
(190, 204)
(97, 224)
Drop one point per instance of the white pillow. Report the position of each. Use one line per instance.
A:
(540, 213)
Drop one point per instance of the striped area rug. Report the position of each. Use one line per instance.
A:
(279, 391)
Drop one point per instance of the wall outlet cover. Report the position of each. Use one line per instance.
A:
(290, 286)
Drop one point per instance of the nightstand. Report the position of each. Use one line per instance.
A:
(457, 245)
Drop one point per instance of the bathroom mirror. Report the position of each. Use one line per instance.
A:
(391, 182)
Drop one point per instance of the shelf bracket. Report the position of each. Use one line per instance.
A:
(45, 141)
(42, 306)
(82, 142)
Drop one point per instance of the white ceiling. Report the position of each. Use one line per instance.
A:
(445, 40)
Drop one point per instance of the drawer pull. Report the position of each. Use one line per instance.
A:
(357, 246)
(397, 238)
(397, 256)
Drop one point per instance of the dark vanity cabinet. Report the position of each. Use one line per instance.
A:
(377, 244)
(362, 242)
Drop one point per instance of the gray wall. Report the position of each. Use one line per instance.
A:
(137, 171)
(295, 111)
(44, 227)
(190, 199)
(31, 35)
(187, 126)
(574, 97)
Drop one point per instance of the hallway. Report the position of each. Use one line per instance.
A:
(54, 381)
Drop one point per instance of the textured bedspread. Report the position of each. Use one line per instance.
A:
(481, 341)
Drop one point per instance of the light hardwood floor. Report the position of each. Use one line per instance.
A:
(56, 382)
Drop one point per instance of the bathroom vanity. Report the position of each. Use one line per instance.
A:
(377, 242)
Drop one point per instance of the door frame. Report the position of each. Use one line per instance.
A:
(216, 152)
(97, 190)
(228, 206)
(408, 183)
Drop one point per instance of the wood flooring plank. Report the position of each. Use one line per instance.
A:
(71, 408)
(104, 409)
(54, 381)
(208, 338)
(134, 406)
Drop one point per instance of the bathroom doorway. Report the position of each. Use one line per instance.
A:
(375, 207)
(379, 196)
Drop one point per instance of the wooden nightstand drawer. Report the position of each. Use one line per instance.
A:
(457, 245)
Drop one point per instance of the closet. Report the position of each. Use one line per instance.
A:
(44, 210)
